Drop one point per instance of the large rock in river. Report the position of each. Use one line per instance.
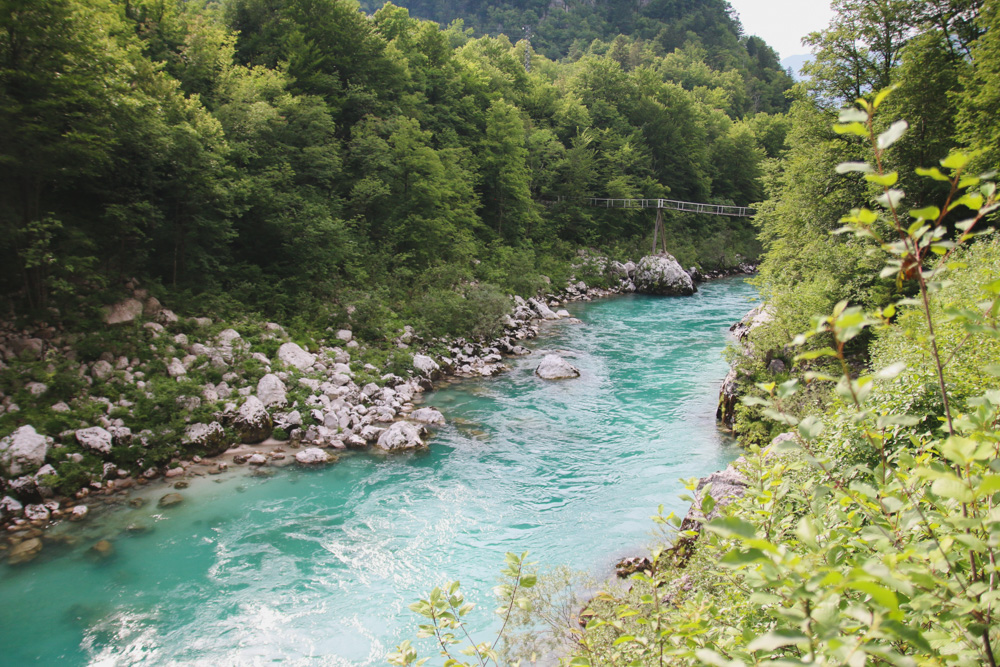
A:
(554, 367)
(661, 274)
(401, 436)
(23, 451)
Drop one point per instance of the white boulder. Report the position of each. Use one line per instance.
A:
(401, 436)
(554, 367)
(428, 416)
(253, 424)
(425, 365)
(661, 274)
(271, 390)
(176, 368)
(23, 451)
(95, 438)
(123, 311)
(291, 354)
(312, 456)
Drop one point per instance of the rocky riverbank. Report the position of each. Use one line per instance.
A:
(256, 399)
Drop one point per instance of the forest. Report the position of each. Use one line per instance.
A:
(329, 164)
(864, 527)
(276, 156)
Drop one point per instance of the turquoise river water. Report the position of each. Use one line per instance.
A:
(317, 567)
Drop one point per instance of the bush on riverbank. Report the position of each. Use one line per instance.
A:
(869, 532)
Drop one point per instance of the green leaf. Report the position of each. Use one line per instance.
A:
(856, 128)
(730, 526)
(882, 94)
(956, 160)
(776, 639)
(885, 180)
(893, 134)
(926, 213)
(810, 428)
(879, 594)
(933, 172)
(952, 487)
(816, 354)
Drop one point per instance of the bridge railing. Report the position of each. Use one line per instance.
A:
(674, 205)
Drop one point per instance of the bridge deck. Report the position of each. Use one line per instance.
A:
(674, 205)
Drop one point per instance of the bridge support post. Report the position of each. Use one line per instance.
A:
(659, 230)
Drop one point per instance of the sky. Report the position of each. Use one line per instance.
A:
(783, 23)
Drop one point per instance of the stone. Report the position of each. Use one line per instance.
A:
(95, 438)
(728, 398)
(312, 456)
(167, 317)
(542, 309)
(10, 507)
(554, 367)
(121, 436)
(426, 366)
(401, 436)
(123, 311)
(291, 354)
(211, 438)
(103, 549)
(345, 335)
(776, 366)
(24, 450)
(36, 388)
(257, 460)
(152, 307)
(428, 416)
(626, 567)
(253, 424)
(562, 314)
(79, 513)
(174, 472)
(60, 407)
(201, 321)
(25, 552)
(170, 500)
(30, 348)
(662, 275)
(36, 513)
(176, 368)
(271, 390)
(102, 370)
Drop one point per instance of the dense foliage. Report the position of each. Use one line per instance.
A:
(868, 531)
(291, 153)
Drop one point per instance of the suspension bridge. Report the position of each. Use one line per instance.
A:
(662, 205)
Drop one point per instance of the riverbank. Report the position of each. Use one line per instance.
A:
(570, 470)
(225, 390)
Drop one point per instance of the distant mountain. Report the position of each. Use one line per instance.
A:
(796, 63)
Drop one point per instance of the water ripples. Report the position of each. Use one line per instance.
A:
(318, 567)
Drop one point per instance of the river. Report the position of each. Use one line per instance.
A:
(317, 567)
